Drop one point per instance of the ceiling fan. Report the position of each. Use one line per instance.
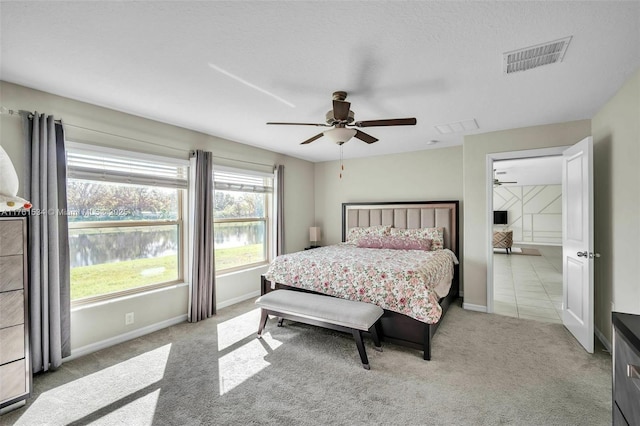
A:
(498, 182)
(341, 119)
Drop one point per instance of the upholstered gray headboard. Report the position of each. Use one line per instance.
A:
(414, 214)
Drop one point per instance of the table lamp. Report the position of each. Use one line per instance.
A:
(314, 236)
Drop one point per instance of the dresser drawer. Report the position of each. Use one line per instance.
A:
(627, 389)
(11, 343)
(11, 272)
(11, 308)
(13, 377)
(11, 237)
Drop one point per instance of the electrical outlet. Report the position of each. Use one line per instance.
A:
(128, 318)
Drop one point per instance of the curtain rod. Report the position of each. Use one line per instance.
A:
(12, 112)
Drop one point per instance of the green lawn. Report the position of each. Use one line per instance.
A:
(105, 278)
(236, 256)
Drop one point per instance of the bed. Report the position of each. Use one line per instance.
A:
(412, 309)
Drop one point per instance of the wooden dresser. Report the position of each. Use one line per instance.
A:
(626, 369)
(15, 368)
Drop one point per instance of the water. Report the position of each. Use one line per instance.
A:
(108, 245)
(228, 235)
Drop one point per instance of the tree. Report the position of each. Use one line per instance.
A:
(88, 200)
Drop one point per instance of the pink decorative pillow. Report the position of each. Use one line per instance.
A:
(395, 243)
(377, 230)
(436, 235)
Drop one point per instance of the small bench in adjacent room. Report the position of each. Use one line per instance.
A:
(323, 311)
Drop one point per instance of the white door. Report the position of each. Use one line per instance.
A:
(577, 241)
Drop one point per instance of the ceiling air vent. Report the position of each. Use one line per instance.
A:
(457, 127)
(535, 56)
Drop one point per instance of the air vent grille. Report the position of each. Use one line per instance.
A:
(457, 127)
(535, 56)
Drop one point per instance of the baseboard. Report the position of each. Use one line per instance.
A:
(14, 406)
(93, 347)
(238, 299)
(477, 308)
(603, 340)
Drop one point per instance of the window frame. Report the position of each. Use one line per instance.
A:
(267, 219)
(180, 222)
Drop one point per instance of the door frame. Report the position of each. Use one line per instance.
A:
(509, 155)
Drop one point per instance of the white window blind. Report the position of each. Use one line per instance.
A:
(235, 181)
(126, 167)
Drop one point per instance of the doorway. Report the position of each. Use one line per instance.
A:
(525, 280)
(527, 207)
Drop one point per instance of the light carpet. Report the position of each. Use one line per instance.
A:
(485, 370)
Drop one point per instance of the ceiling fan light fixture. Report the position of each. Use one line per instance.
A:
(340, 135)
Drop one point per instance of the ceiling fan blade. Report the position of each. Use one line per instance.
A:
(390, 122)
(299, 124)
(365, 137)
(318, 136)
(341, 110)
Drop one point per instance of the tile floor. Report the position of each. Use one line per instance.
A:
(529, 286)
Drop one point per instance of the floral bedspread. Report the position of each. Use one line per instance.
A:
(402, 281)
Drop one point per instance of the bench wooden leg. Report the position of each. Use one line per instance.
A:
(263, 322)
(357, 335)
(376, 338)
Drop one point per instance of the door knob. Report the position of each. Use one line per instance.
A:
(590, 255)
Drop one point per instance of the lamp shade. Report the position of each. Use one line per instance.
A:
(340, 135)
(314, 233)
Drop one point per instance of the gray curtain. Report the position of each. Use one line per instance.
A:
(49, 290)
(202, 302)
(279, 210)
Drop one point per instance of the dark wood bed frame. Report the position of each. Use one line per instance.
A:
(394, 327)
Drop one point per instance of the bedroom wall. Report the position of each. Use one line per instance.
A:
(616, 149)
(475, 150)
(396, 177)
(104, 322)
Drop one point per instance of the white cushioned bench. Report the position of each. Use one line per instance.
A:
(323, 311)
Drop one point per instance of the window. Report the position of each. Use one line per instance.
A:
(241, 218)
(125, 221)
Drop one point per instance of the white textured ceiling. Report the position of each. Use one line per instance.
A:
(438, 61)
(530, 171)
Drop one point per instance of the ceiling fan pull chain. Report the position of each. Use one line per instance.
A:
(341, 165)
